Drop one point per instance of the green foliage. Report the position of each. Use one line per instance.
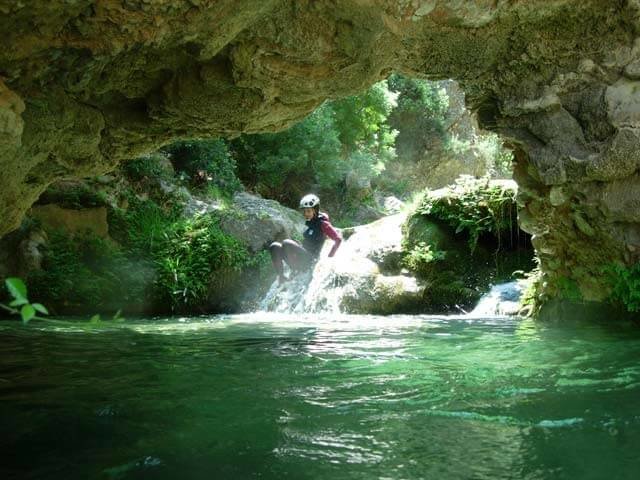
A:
(285, 165)
(420, 256)
(196, 255)
(18, 291)
(161, 258)
(206, 162)
(361, 120)
(86, 270)
(497, 159)
(73, 196)
(64, 279)
(346, 135)
(474, 207)
(141, 228)
(358, 135)
(189, 256)
(625, 285)
(20, 305)
(147, 166)
(419, 116)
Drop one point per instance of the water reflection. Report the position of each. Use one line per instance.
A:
(280, 396)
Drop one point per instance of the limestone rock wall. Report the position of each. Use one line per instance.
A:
(85, 84)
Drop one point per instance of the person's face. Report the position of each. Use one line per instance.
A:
(308, 213)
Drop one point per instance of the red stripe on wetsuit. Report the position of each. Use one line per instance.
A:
(332, 233)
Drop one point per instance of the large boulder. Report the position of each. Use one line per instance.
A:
(462, 239)
(383, 295)
(257, 221)
(371, 274)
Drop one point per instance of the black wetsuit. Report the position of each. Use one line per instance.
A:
(313, 236)
(300, 257)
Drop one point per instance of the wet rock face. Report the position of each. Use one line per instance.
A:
(578, 172)
(87, 84)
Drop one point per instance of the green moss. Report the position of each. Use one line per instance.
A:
(475, 208)
(625, 285)
(568, 289)
(532, 297)
(420, 229)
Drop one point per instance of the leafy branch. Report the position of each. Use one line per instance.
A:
(20, 305)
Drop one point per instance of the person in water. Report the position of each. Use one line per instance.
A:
(300, 257)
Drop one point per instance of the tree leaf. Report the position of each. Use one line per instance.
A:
(19, 301)
(27, 312)
(40, 308)
(16, 287)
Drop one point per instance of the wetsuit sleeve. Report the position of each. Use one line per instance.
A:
(333, 234)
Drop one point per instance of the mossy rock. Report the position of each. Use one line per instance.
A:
(456, 274)
(384, 295)
(420, 228)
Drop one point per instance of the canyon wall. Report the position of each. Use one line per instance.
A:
(86, 84)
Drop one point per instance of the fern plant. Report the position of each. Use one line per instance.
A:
(625, 285)
(474, 207)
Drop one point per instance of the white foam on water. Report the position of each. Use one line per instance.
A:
(502, 299)
(352, 273)
(322, 289)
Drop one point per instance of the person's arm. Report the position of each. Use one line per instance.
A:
(333, 234)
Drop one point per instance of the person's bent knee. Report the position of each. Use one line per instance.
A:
(275, 246)
(289, 243)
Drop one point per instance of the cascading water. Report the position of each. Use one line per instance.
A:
(502, 299)
(359, 279)
(355, 275)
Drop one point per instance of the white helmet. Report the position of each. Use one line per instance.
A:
(309, 201)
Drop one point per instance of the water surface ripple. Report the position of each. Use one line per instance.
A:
(312, 397)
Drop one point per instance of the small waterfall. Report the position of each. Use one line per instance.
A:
(287, 297)
(359, 279)
(345, 276)
(502, 299)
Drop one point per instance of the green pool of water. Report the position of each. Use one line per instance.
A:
(353, 397)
